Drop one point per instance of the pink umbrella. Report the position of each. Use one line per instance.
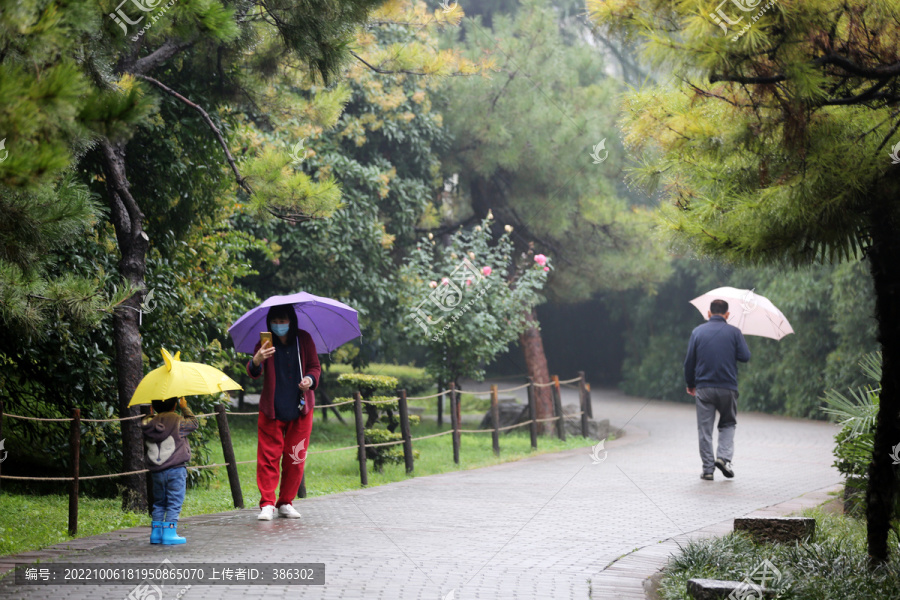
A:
(329, 322)
(751, 313)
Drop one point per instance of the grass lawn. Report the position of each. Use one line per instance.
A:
(29, 522)
(833, 566)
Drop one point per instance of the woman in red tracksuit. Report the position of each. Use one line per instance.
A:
(292, 372)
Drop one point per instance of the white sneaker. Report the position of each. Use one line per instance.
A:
(266, 513)
(287, 511)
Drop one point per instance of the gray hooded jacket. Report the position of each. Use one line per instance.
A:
(164, 439)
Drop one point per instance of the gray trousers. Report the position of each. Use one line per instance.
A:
(710, 400)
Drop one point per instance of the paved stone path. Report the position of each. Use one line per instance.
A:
(541, 528)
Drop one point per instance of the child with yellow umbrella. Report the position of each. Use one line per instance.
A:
(168, 452)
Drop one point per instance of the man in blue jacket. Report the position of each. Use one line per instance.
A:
(710, 372)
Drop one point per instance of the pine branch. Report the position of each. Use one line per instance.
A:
(118, 183)
(169, 49)
(881, 72)
(443, 229)
(231, 162)
(383, 71)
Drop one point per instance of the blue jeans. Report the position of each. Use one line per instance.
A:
(168, 493)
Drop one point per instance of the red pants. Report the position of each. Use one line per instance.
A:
(287, 442)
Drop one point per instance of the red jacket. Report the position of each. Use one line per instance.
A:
(311, 366)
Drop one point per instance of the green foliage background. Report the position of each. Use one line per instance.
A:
(830, 308)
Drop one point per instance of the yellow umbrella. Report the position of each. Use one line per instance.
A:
(178, 378)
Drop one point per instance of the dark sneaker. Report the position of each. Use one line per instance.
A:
(725, 467)
(706, 476)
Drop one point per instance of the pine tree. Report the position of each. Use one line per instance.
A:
(83, 85)
(534, 143)
(772, 144)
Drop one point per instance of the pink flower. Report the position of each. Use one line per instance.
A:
(433, 284)
(445, 281)
(486, 271)
(546, 268)
(540, 259)
(468, 282)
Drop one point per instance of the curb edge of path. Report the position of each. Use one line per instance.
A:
(625, 578)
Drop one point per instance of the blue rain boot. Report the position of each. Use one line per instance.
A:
(170, 536)
(156, 532)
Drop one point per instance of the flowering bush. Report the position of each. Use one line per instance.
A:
(467, 301)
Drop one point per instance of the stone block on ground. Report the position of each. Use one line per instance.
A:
(714, 589)
(511, 412)
(597, 430)
(777, 529)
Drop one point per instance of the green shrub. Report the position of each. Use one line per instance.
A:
(378, 409)
(834, 565)
(855, 442)
(414, 380)
(368, 385)
(385, 454)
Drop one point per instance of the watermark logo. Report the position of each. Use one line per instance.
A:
(2, 458)
(447, 297)
(596, 153)
(895, 453)
(149, 304)
(298, 153)
(722, 18)
(447, 7)
(764, 578)
(595, 453)
(149, 589)
(4, 153)
(749, 303)
(895, 153)
(145, 6)
(121, 18)
(296, 450)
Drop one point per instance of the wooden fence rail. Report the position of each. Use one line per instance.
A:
(221, 414)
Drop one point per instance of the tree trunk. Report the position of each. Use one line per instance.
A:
(536, 362)
(884, 256)
(133, 243)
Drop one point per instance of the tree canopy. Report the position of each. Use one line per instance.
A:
(536, 143)
(771, 144)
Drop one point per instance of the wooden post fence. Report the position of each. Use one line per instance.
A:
(585, 390)
(587, 396)
(228, 453)
(495, 417)
(454, 422)
(532, 409)
(360, 439)
(404, 430)
(75, 450)
(585, 420)
(440, 404)
(557, 409)
(146, 410)
(1, 428)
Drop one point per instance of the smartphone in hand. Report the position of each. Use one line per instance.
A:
(265, 336)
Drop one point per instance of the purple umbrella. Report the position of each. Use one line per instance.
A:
(329, 322)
